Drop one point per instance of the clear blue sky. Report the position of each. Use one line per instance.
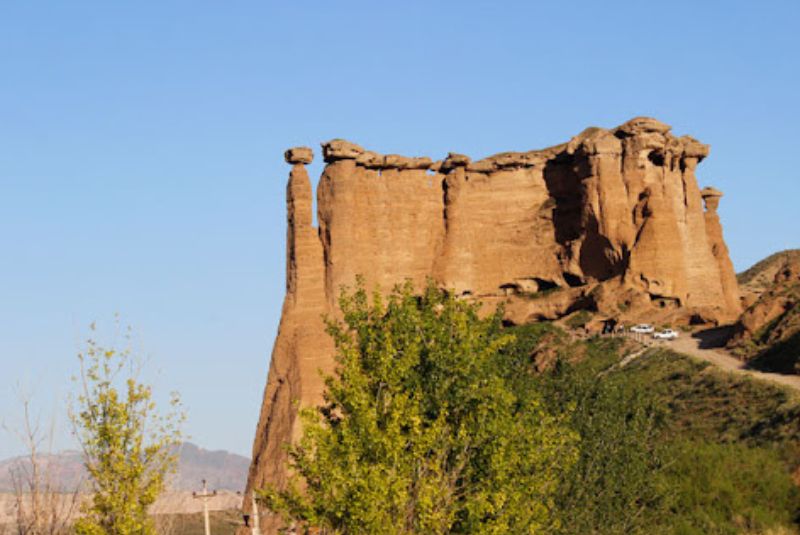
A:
(141, 150)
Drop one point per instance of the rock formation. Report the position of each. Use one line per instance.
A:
(612, 221)
(760, 277)
(768, 331)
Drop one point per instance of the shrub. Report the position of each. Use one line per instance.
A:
(422, 431)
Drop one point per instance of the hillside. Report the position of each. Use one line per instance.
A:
(760, 276)
(768, 331)
(714, 451)
(222, 470)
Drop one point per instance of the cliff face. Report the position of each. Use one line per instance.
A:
(612, 221)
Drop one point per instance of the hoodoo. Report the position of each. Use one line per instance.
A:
(612, 222)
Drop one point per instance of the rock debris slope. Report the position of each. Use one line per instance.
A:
(612, 221)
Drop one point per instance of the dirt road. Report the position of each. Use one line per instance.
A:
(691, 346)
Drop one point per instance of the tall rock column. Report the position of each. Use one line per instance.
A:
(730, 286)
(302, 349)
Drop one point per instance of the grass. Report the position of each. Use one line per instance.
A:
(729, 443)
(712, 404)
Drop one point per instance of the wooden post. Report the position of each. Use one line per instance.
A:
(205, 496)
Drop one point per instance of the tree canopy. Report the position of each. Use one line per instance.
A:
(421, 431)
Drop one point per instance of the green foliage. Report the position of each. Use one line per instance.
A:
(128, 446)
(670, 445)
(437, 422)
(423, 430)
(732, 444)
(579, 319)
(706, 403)
(727, 489)
(612, 488)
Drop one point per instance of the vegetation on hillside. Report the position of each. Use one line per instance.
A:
(442, 422)
(732, 444)
(428, 427)
(769, 263)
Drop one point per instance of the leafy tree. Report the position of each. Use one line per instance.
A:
(613, 487)
(421, 431)
(129, 448)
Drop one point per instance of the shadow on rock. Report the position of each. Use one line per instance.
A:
(715, 337)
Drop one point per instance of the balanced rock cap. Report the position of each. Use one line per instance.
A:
(639, 125)
(341, 149)
(711, 198)
(303, 155)
(708, 191)
(454, 160)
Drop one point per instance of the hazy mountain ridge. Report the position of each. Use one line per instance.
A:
(222, 469)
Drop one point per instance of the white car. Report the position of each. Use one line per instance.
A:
(666, 334)
(642, 328)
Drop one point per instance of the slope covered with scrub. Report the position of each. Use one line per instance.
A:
(668, 444)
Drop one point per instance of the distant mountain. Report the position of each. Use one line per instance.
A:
(222, 469)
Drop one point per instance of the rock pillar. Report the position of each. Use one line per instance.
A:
(302, 348)
(730, 286)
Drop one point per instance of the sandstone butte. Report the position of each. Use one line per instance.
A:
(612, 221)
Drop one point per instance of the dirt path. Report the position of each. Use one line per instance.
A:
(692, 347)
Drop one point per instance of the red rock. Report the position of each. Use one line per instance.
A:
(612, 221)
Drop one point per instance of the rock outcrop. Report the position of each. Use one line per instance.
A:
(760, 277)
(612, 221)
(768, 331)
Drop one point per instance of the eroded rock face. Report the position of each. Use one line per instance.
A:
(768, 331)
(612, 221)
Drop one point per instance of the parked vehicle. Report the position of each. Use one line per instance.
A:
(666, 334)
(642, 328)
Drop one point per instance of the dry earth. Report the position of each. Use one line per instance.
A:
(693, 346)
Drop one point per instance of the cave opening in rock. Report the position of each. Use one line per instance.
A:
(544, 284)
(657, 158)
(573, 280)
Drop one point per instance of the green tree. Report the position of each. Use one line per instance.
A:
(614, 486)
(129, 448)
(421, 431)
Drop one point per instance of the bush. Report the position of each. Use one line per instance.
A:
(611, 488)
(422, 430)
(728, 489)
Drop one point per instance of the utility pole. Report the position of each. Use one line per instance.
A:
(205, 496)
(256, 527)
